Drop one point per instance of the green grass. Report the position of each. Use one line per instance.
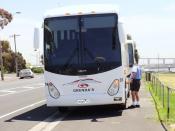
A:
(167, 78)
(158, 96)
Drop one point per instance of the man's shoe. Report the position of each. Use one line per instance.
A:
(131, 107)
(137, 106)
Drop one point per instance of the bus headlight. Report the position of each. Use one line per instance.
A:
(53, 91)
(114, 88)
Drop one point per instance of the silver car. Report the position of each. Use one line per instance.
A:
(26, 73)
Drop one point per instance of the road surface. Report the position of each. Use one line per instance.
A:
(22, 108)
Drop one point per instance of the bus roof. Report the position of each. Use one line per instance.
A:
(81, 10)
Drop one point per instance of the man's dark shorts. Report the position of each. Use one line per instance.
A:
(135, 85)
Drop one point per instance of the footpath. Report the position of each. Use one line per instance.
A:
(9, 77)
(145, 117)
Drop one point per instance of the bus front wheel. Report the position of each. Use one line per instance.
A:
(63, 109)
(123, 106)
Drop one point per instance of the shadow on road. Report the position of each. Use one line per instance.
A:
(93, 113)
(37, 114)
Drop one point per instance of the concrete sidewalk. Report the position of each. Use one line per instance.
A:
(145, 116)
(9, 77)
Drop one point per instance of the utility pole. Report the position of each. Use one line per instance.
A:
(1, 61)
(16, 60)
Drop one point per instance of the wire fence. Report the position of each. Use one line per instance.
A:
(165, 94)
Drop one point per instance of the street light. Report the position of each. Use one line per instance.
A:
(16, 61)
(14, 37)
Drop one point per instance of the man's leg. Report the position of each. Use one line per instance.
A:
(133, 97)
(137, 96)
(137, 99)
(133, 100)
(137, 93)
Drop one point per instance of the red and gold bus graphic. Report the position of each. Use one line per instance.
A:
(83, 85)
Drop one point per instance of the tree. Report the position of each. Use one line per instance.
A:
(9, 58)
(5, 17)
(21, 61)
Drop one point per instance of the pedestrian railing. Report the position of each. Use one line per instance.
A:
(164, 93)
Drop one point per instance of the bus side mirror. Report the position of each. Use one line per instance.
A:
(36, 39)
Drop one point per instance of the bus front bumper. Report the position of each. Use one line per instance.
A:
(90, 100)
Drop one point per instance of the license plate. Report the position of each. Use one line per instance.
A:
(82, 101)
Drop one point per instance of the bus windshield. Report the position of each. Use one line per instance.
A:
(81, 45)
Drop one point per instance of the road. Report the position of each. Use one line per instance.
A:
(23, 108)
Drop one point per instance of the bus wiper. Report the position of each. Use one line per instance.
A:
(89, 53)
(67, 64)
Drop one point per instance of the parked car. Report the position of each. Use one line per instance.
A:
(26, 73)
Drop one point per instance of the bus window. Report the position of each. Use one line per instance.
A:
(131, 55)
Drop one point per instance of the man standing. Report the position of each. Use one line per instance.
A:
(135, 77)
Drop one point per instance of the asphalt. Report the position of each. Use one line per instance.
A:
(104, 118)
(83, 119)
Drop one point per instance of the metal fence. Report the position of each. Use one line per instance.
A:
(165, 94)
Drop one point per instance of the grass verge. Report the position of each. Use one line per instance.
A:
(162, 110)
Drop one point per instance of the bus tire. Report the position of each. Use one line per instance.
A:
(62, 109)
(123, 106)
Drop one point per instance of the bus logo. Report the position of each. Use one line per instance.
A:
(83, 85)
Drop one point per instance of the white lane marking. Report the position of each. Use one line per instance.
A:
(29, 87)
(20, 91)
(18, 110)
(49, 123)
(6, 94)
(35, 85)
(4, 91)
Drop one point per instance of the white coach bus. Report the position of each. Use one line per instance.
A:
(86, 56)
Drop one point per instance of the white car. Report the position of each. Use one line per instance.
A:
(26, 73)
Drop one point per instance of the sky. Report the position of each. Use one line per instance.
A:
(151, 24)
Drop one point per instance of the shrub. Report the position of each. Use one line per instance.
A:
(37, 70)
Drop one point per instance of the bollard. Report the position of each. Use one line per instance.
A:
(148, 76)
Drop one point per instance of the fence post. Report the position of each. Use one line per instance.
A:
(168, 103)
(160, 89)
(163, 93)
(156, 85)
